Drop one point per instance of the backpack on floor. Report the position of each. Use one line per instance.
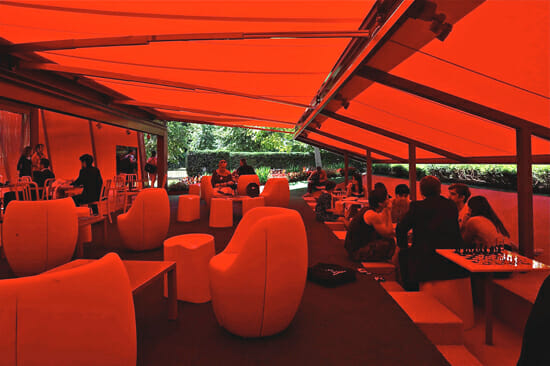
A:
(330, 275)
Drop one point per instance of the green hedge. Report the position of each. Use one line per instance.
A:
(485, 175)
(207, 161)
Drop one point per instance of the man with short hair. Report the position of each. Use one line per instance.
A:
(244, 168)
(317, 179)
(434, 222)
(401, 202)
(40, 176)
(460, 193)
(90, 179)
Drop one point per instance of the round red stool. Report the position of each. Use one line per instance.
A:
(221, 212)
(189, 208)
(195, 189)
(251, 202)
(192, 254)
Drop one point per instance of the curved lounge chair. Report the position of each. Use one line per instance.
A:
(145, 225)
(276, 192)
(257, 282)
(80, 316)
(39, 235)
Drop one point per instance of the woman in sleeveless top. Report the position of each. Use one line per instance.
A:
(370, 236)
(484, 228)
(222, 179)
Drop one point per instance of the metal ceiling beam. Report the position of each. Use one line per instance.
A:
(393, 135)
(146, 80)
(168, 117)
(451, 101)
(67, 44)
(508, 159)
(329, 148)
(69, 100)
(356, 144)
(200, 111)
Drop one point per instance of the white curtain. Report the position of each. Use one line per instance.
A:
(14, 136)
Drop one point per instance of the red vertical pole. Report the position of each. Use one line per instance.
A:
(162, 159)
(525, 192)
(369, 172)
(142, 156)
(346, 167)
(92, 139)
(412, 171)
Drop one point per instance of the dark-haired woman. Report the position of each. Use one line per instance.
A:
(484, 228)
(24, 165)
(355, 187)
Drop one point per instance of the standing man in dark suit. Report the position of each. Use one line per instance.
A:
(434, 222)
(90, 178)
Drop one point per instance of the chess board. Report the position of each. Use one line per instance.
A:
(495, 261)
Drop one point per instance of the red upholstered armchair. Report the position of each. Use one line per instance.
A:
(257, 282)
(276, 192)
(81, 316)
(145, 225)
(39, 235)
(207, 191)
(244, 181)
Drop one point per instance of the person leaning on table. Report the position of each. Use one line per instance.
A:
(90, 179)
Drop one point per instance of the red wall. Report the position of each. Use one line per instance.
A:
(67, 138)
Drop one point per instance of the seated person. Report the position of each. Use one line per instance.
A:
(244, 168)
(381, 187)
(40, 176)
(350, 212)
(459, 194)
(318, 179)
(400, 204)
(323, 208)
(484, 228)
(90, 179)
(434, 223)
(222, 179)
(355, 187)
(370, 233)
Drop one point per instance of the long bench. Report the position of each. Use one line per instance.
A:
(458, 356)
(439, 324)
(514, 297)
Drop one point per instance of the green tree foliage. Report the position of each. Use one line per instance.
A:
(185, 137)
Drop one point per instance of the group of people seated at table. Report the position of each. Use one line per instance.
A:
(436, 222)
(37, 166)
(224, 181)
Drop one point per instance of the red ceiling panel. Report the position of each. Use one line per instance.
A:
(498, 56)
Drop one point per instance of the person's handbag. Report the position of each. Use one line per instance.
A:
(150, 168)
(252, 190)
(330, 275)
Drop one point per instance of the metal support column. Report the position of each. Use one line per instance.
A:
(525, 192)
(346, 168)
(412, 171)
(162, 160)
(369, 172)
